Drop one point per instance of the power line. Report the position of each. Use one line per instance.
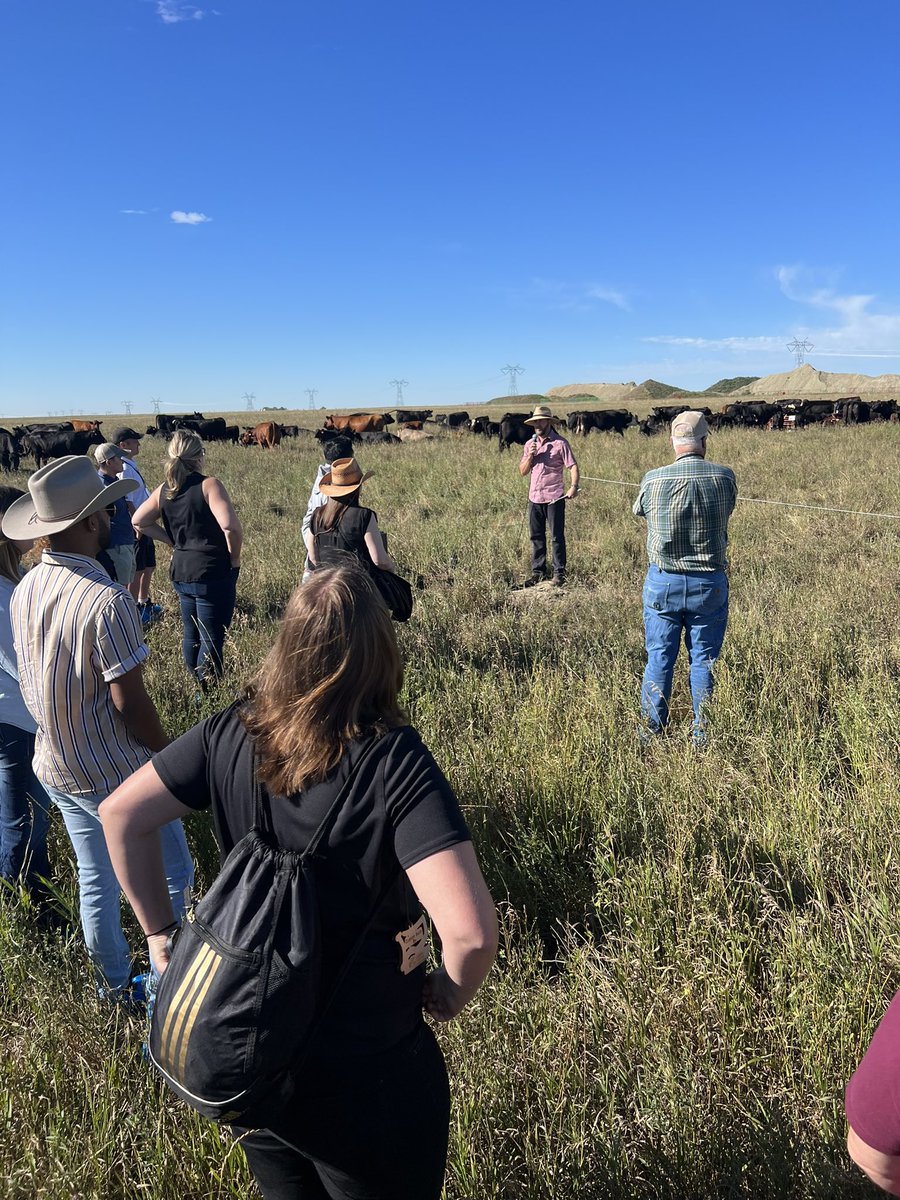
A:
(311, 394)
(512, 372)
(249, 399)
(126, 404)
(154, 400)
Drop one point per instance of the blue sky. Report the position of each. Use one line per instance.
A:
(277, 195)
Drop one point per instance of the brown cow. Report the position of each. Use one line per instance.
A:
(86, 426)
(267, 434)
(359, 423)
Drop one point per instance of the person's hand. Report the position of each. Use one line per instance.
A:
(441, 997)
(160, 950)
(571, 493)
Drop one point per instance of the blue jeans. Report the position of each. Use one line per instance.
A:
(99, 894)
(24, 813)
(697, 603)
(206, 612)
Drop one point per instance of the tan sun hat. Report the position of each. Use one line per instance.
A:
(690, 426)
(60, 495)
(344, 477)
(542, 413)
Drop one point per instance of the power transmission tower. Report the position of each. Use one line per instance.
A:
(312, 393)
(249, 399)
(154, 400)
(399, 384)
(512, 372)
(800, 350)
(127, 406)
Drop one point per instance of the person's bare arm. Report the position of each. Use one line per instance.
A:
(528, 457)
(132, 817)
(223, 510)
(376, 548)
(573, 481)
(451, 888)
(883, 1169)
(310, 542)
(134, 706)
(146, 519)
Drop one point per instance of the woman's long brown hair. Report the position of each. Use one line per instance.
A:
(333, 672)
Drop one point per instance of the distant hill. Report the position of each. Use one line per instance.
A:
(652, 389)
(725, 386)
(807, 381)
(607, 392)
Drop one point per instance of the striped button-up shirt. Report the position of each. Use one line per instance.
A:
(75, 631)
(687, 505)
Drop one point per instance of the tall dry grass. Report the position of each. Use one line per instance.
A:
(695, 946)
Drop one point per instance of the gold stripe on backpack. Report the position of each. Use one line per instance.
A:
(196, 1005)
(177, 1013)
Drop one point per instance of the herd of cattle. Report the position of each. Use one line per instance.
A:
(45, 441)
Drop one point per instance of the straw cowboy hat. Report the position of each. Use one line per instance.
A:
(542, 413)
(60, 495)
(344, 477)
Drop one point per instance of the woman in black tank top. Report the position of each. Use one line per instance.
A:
(342, 526)
(201, 526)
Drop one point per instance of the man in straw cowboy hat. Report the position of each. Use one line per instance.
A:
(545, 458)
(80, 652)
(686, 505)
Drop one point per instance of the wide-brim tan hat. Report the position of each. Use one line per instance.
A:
(60, 495)
(344, 477)
(542, 413)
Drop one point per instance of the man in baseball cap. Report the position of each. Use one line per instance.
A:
(80, 654)
(687, 506)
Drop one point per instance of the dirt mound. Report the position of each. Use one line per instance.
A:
(600, 391)
(652, 389)
(807, 381)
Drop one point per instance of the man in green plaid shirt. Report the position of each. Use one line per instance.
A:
(686, 505)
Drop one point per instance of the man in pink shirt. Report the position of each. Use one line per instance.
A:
(545, 458)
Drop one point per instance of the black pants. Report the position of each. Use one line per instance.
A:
(360, 1129)
(539, 517)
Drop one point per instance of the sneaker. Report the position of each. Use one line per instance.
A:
(149, 613)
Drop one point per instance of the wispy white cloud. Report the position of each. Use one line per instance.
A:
(173, 12)
(189, 218)
(576, 297)
(134, 212)
(850, 328)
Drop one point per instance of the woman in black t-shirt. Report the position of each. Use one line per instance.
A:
(370, 1113)
(342, 526)
(201, 526)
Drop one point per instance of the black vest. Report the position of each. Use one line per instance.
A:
(200, 550)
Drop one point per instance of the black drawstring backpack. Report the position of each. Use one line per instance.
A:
(237, 1005)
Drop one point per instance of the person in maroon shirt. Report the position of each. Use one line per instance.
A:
(872, 1105)
(545, 458)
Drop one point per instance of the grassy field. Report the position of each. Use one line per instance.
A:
(696, 946)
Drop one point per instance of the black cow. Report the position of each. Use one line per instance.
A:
(514, 431)
(412, 414)
(232, 434)
(604, 420)
(883, 410)
(484, 426)
(810, 412)
(45, 446)
(10, 450)
(167, 423)
(749, 415)
(452, 420)
(290, 431)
